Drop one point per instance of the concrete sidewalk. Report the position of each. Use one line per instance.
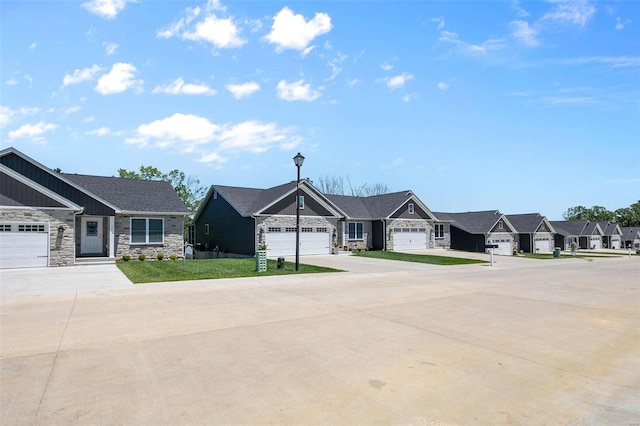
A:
(538, 342)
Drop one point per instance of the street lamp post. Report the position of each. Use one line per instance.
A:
(298, 160)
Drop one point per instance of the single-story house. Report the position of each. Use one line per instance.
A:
(53, 219)
(397, 221)
(473, 231)
(535, 233)
(630, 237)
(586, 234)
(611, 235)
(236, 220)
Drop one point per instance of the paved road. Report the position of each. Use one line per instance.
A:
(523, 342)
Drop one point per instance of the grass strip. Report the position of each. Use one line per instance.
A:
(418, 258)
(203, 269)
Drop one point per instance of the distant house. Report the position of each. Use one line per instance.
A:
(237, 219)
(611, 235)
(472, 231)
(630, 237)
(398, 221)
(52, 219)
(586, 234)
(535, 233)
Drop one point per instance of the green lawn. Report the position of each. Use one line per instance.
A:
(418, 258)
(201, 269)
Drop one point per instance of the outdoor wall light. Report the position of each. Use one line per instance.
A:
(61, 228)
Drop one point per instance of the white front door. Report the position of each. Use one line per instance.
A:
(91, 235)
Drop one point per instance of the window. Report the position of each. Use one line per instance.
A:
(92, 228)
(147, 231)
(306, 230)
(411, 208)
(206, 229)
(30, 228)
(301, 202)
(290, 229)
(5, 228)
(321, 229)
(439, 230)
(273, 229)
(355, 231)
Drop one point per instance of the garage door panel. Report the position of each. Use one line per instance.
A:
(409, 241)
(543, 246)
(284, 243)
(24, 249)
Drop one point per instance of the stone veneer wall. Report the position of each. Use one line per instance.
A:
(290, 221)
(443, 242)
(408, 223)
(61, 244)
(173, 238)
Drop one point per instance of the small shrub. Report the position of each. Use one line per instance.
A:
(126, 258)
(173, 256)
(262, 246)
(160, 256)
(141, 257)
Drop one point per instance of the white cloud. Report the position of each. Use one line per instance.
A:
(615, 61)
(489, 45)
(409, 97)
(620, 24)
(297, 91)
(223, 33)
(107, 9)
(440, 21)
(398, 81)
(81, 75)
(577, 12)
(120, 78)
(243, 90)
(194, 134)
(442, 85)
(292, 31)
(255, 136)
(386, 66)
(33, 46)
(32, 131)
(395, 163)
(335, 65)
(104, 131)
(178, 87)
(523, 32)
(353, 81)
(7, 114)
(11, 82)
(110, 48)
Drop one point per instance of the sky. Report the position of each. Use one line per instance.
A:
(473, 105)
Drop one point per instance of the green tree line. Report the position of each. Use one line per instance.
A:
(627, 216)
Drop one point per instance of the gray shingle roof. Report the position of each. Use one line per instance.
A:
(472, 222)
(250, 200)
(525, 223)
(134, 195)
(630, 233)
(569, 227)
(373, 207)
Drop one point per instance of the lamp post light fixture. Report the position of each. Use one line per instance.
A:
(298, 160)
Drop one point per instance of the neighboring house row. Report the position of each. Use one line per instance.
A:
(630, 237)
(237, 220)
(52, 219)
(473, 231)
(588, 235)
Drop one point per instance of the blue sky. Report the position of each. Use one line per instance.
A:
(476, 105)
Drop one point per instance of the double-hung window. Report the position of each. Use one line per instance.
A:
(147, 230)
(439, 230)
(355, 230)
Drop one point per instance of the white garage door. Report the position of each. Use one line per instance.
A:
(542, 246)
(615, 244)
(282, 241)
(505, 248)
(406, 239)
(24, 245)
(596, 243)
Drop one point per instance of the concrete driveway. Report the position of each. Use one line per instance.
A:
(537, 342)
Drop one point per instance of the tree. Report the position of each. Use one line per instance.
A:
(629, 216)
(188, 188)
(334, 185)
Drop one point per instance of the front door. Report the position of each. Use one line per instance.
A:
(91, 235)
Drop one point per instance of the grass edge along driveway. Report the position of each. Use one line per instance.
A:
(418, 258)
(203, 269)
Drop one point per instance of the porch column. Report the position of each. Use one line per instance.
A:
(112, 233)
